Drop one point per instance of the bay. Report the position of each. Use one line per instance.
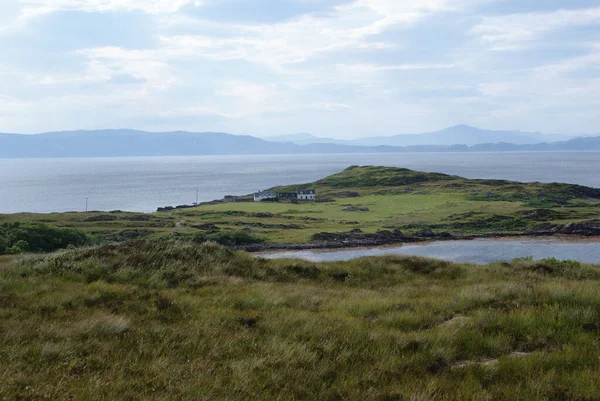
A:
(143, 184)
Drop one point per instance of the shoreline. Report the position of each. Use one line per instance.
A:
(324, 246)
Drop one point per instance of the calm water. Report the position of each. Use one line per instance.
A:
(476, 251)
(143, 184)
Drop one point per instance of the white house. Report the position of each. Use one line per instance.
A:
(264, 195)
(307, 194)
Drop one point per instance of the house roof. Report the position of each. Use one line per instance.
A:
(306, 192)
(265, 193)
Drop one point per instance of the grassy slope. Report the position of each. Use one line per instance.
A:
(167, 321)
(395, 197)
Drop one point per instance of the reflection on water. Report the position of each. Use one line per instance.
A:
(475, 251)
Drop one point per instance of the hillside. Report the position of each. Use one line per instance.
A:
(173, 321)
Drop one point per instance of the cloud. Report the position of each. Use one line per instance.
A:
(357, 67)
(591, 60)
(125, 79)
(39, 7)
(28, 10)
(332, 106)
(348, 27)
(142, 65)
(515, 31)
(198, 111)
(9, 106)
(368, 68)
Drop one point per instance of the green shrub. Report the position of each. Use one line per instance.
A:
(235, 238)
(38, 237)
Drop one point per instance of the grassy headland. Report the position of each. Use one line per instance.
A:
(358, 202)
(174, 320)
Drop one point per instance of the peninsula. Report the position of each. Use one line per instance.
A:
(360, 206)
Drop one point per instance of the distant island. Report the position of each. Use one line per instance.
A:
(132, 143)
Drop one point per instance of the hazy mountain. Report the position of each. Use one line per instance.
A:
(462, 135)
(122, 143)
(457, 135)
(134, 143)
(305, 139)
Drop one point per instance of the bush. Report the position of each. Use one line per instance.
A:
(37, 237)
(235, 238)
(570, 269)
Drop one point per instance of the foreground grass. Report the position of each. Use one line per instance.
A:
(169, 321)
(390, 198)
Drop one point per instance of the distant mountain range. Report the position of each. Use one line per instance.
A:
(126, 143)
(457, 135)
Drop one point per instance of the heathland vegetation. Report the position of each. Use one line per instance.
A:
(170, 320)
(149, 306)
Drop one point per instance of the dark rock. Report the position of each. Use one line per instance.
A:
(101, 217)
(207, 227)
(325, 199)
(546, 228)
(127, 235)
(349, 194)
(588, 228)
(425, 233)
(250, 322)
(355, 209)
(542, 214)
(265, 215)
(437, 366)
(428, 233)
(270, 226)
(591, 327)
(412, 346)
(139, 217)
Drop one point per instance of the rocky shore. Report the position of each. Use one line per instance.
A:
(358, 239)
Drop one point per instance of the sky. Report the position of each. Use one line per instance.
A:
(335, 68)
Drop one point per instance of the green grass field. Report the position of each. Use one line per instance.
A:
(395, 198)
(177, 321)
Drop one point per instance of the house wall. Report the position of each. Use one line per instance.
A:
(260, 198)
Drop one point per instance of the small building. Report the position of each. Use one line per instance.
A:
(307, 194)
(264, 195)
(287, 196)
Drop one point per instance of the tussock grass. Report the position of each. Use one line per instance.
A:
(168, 320)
